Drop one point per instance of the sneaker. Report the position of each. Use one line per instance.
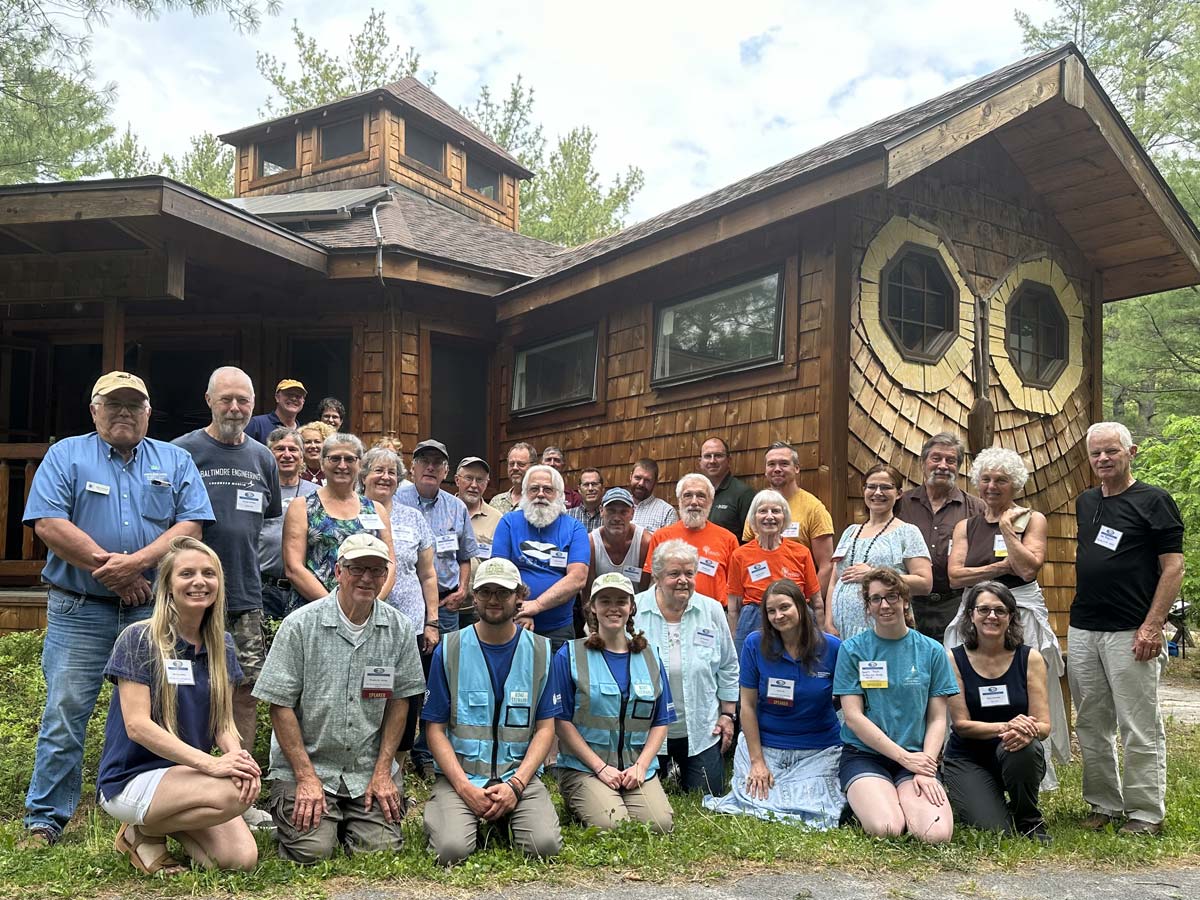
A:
(38, 838)
(258, 820)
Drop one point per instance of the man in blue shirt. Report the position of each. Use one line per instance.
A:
(551, 551)
(106, 505)
(489, 710)
(289, 400)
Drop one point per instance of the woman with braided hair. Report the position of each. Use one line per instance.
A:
(175, 674)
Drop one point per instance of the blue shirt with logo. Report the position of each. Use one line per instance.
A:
(538, 554)
(795, 706)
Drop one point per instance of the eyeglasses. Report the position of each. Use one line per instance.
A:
(338, 459)
(713, 457)
(889, 599)
(986, 612)
(878, 488)
(536, 489)
(373, 571)
(133, 407)
(474, 479)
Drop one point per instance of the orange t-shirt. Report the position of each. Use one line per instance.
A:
(714, 545)
(748, 577)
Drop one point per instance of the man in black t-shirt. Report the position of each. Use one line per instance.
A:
(1128, 568)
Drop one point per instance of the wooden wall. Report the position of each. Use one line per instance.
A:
(633, 420)
(982, 204)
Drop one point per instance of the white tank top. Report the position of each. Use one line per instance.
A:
(628, 566)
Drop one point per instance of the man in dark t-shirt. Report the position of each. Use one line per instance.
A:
(1128, 569)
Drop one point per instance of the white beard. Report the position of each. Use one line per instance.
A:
(694, 521)
(541, 516)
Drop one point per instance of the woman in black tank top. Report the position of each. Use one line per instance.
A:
(1000, 717)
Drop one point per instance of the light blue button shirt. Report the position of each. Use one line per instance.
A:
(122, 506)
(710, 664)
(447, 516)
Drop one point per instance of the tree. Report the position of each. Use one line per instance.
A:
(207, 166)
(1173, 463)
(125, 157)
(369, 62)
(1147, 55)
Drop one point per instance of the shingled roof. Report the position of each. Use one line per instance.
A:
(832, 155)
(412, 223)
(409, 92)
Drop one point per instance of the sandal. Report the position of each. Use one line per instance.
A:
(164, 862)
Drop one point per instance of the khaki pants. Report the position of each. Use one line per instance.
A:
(1113, 691)
(345, 821)
(453, 829)
(595, 804)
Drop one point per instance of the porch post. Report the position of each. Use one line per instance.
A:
(113, 340)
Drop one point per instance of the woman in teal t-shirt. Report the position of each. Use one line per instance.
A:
(894, 682)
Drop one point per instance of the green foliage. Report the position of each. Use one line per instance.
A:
(1147, 55)
(207, 166)
(510, 124)
(125, 157)
(1173, 463)
(370, 62)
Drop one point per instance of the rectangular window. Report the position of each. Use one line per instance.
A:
(276, 156)
(555, 373)
(424, 148)
(483, 179)
(341, 139)
(735, 327)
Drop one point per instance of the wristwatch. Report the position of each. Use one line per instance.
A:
(731, 716)
(433, 624)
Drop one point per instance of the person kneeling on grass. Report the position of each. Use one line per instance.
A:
(173, 702)
(786, 762)
(894, 682)
(616, 706)
(489, 714)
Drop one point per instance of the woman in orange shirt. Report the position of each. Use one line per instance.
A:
(765, 559)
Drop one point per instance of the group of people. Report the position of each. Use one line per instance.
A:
(602, 632)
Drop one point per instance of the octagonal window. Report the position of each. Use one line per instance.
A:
(920, 308)
(1037, 335)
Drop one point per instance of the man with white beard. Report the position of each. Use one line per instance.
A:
(242, 480)
(550, 549)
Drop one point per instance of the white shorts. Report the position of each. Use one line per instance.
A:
(132, 804)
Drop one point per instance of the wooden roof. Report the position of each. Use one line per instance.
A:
(407, 92)
(1048, 110)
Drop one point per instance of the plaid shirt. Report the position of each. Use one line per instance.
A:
(654, 513)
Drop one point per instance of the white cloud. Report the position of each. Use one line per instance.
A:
(697, 94)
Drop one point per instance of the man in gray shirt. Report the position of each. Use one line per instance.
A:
(242, 481)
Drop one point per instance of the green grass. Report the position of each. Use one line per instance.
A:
(703, 847)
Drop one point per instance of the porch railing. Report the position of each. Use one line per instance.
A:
(22, 555)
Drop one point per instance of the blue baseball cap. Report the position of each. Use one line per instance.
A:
(618, 495)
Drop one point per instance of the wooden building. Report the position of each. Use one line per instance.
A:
(852, 300)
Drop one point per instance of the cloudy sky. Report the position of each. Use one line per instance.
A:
(697, 94)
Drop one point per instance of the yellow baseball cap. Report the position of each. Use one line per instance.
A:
(289, 383)
(612, 580)
(114, 381)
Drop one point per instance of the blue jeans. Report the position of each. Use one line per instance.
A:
(749, 621)
(79, 638)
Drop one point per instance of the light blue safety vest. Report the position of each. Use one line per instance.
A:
(491, 739)
(615, 727)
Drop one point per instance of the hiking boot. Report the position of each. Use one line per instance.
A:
(1138, 826)
(1097, 821)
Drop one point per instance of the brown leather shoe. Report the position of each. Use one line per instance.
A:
(1137, 826)
(1097, 821)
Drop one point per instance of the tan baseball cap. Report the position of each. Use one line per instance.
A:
(288, 384)
(612, 580)
(362, 545)
(497, 571)
(114, 381)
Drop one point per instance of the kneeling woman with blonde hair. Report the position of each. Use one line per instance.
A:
(173, 703)
(616, 706)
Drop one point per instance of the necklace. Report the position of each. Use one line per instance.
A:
(854, 542)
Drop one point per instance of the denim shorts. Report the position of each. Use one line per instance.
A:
(857, 763)
(131, 805)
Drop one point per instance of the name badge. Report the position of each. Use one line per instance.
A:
(447, 543)
(872, 673)
(96, 488)
(404, 534)
(707, 566)
(780, 691)
(179, 671)
(634, 574)
(371, 521)
(518, 698)
(249, 501)
(558, 559)
(792, 531)
(483, 550)
(705, 638)
(999, 548)
(759, 571)
(993, 695)
(644, 691)
(378, 682)
(1109, 537)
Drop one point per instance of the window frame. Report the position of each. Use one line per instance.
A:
(1059, 362)
(256, 177)
(421, 165)
(531, 343)
(778, 269)
(321, 164)
(946, 339)
(498, 202)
